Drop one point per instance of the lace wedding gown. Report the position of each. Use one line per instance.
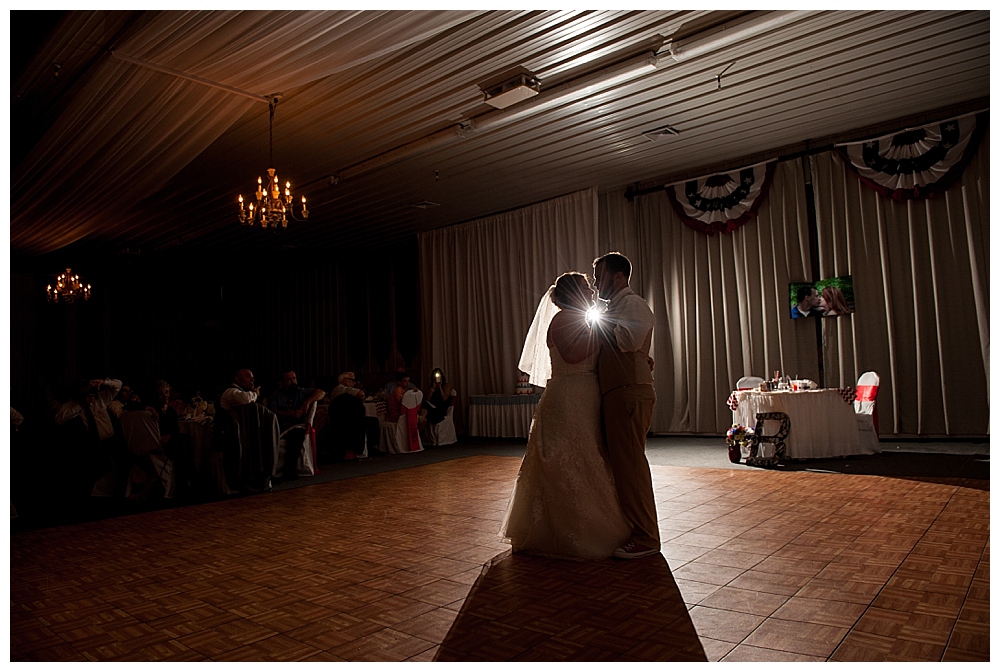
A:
(564, 502)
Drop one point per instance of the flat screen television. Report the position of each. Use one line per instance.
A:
(830, 297)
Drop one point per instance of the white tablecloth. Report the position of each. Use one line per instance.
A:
(201, 444)
(502, 415)
(823, 424)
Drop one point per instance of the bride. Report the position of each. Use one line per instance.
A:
(564, 502)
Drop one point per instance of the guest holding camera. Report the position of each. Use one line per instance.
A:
(438, 398)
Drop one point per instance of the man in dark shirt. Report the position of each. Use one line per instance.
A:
(808, 302)
(291, 404)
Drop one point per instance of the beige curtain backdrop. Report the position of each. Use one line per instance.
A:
(720, 302)
(481, 281)
(921, 283)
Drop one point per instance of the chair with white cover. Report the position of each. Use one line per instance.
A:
(403, 436)
(141, 431)
(865, 410)
(306, 464)
(408, 433)
(443, 433)
(749, 382)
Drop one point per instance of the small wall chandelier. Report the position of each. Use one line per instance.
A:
(68, 289)
(272, 207)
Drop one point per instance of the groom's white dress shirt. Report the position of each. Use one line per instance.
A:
(633, 330)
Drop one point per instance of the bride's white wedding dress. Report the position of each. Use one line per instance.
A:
(564, 502)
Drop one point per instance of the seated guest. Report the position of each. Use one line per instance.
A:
(390, 387)
(169, 421)
(125, 400)
(177, 446)
(394, 401)
(347, 384)
(104, 455)
(394, 405)
(438, 398)
(242, 391)
(91, 403)
(352, 416)
(291, 404)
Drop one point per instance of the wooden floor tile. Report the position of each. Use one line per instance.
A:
(755, 565)
(744, 653)
(726, 626)
(822, 612)
(808, 639)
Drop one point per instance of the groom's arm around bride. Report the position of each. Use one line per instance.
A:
(627, 397)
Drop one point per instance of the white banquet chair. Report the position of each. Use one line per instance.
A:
(306, 465)
(749, 382)
(409, 426)
(141, 431)
(443, 433)
(865, 410)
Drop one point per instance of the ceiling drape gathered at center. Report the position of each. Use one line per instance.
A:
(143, 126)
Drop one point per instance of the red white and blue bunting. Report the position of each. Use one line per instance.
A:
(917, 162)
(724, 202)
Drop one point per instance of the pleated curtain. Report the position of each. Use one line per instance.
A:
(720, 302)
(481, 281)
(921, 283)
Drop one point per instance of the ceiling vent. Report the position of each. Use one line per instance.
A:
(661, 132)
(511, 87)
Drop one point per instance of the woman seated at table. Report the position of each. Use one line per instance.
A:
(437, 399)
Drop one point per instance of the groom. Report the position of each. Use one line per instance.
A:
(627, 398)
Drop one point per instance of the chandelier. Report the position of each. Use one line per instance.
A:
(272, 207)
(68, 289)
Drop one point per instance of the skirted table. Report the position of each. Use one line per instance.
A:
(823, 424)
(502, 415)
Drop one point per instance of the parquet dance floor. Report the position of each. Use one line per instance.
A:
(407, 565)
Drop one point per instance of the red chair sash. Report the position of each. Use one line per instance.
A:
(866, 393)
(411, 426)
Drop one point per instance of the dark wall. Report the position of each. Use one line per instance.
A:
(193, 322)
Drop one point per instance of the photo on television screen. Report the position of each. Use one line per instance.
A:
(829, 297)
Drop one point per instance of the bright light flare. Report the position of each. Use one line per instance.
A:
(593, 315)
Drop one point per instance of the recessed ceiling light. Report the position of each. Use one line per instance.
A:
(661, 132)
(423, 205)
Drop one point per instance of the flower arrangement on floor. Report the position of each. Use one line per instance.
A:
(737, 438)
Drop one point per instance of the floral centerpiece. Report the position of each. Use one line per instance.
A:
(199, 408)
(737, 438)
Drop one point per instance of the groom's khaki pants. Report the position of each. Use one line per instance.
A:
(627, 413)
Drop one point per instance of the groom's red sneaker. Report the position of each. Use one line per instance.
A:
(633, 550)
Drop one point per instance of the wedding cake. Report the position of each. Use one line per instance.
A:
(523, 384)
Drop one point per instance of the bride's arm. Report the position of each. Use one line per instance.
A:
(571, 336)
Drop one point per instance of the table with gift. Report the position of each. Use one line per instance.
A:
(821, 422)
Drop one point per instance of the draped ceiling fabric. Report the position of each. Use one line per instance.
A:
(921, 282)
(722, 202)
(720, 302)
(144, 126)
(917, 162)
(481, 282)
